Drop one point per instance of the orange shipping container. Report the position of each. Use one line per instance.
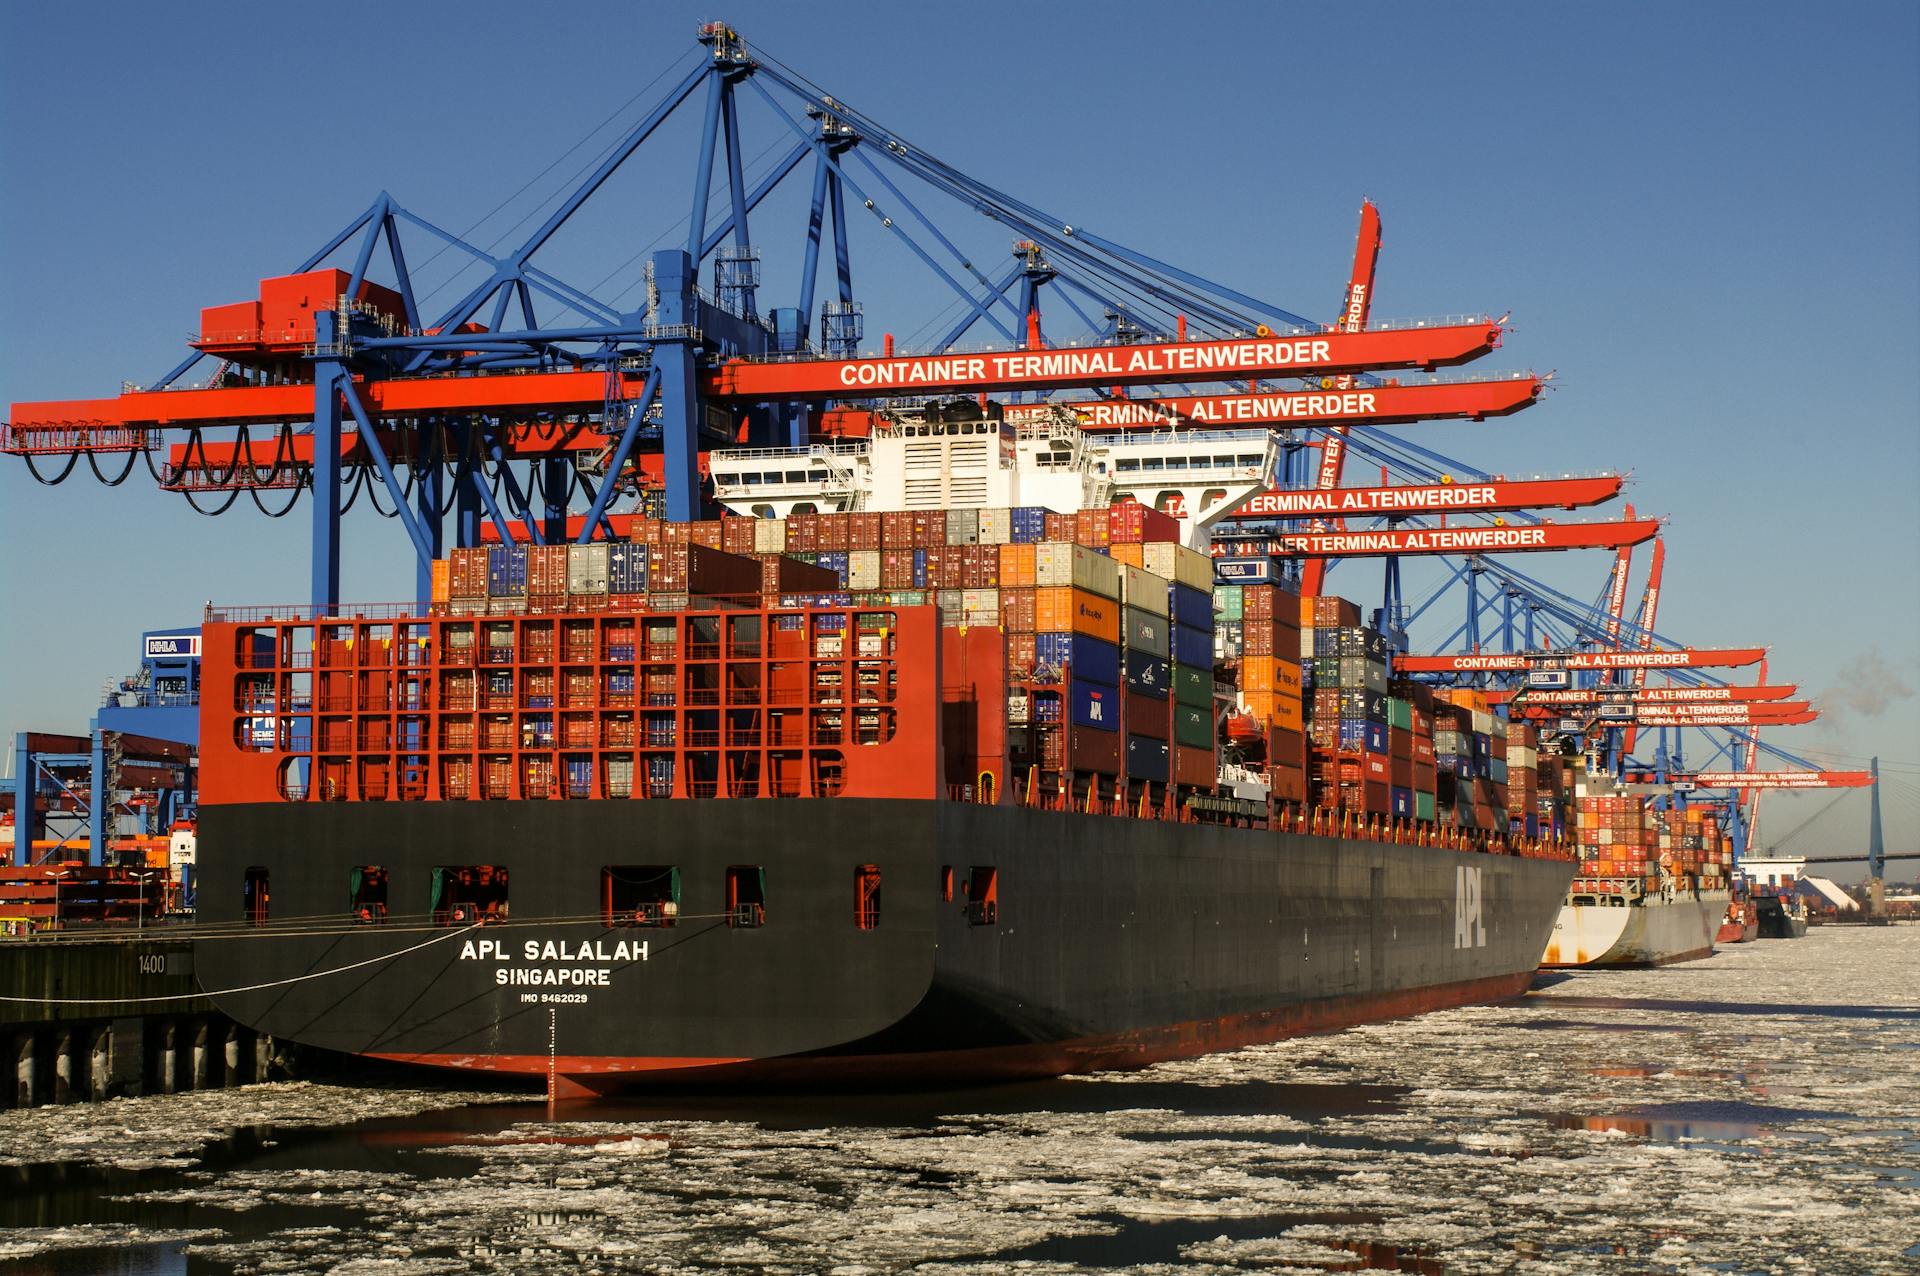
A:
(1132, 553)
(1075, 610)
(1016, 566)
(442, 580)
(1276, 708)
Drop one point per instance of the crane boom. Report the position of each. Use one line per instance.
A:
(1649, 609)
(1521, 661)
(1353, 318)
(1385, 404)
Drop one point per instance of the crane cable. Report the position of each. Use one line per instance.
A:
(227, 992)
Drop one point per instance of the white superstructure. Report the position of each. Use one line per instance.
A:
(965, 457)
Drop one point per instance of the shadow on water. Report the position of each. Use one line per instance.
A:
(1771, 1009)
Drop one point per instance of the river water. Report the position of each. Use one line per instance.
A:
(1755, 1112)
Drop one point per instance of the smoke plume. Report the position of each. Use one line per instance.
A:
(1865, 687)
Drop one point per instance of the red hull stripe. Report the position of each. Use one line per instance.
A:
(586, 1075)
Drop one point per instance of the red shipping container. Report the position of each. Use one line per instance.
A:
(1148, 715)
(896, 569)
(1091, 749)
(1090, 528)
(929, 529)
(896, 529)
(865, 531)
(1130, 523)
(1058, 527)
(706, 532)
(1194, 767)
(834, 532)
(1289, 783)
(1016, 611)
(1022, 651)
(736, 535)
(546, 570)
(467, 574)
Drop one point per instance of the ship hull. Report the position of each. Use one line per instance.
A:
(1111, 942)
(1655, 932)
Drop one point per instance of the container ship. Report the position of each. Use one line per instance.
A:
(1651, 887)
(969, 788)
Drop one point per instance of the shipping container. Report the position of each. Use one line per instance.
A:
(1193, 686)
(1147, 714)
(1057, 564)
(1191, 607)
(1078, 611)
(1146, 672)
(1147, 759)
(1192, 647)
(1095, 706)
(1144, 591)
(1177, 563)
(1142, 631)
(1028, 524)
(1089, 659)
(1192, 726)
(627, 568)
(587, 571)
(506, 571)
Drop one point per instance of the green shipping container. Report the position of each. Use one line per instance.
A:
(1193, 686)
(1423, 806)
(1192, 727)
(1400, 714)
(1229, 602)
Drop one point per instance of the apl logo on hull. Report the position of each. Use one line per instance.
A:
(1469, 930)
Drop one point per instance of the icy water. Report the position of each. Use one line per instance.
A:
(1756, 1112)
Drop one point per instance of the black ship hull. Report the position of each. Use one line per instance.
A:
(1068, 943)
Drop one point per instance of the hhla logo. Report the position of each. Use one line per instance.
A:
(1469, 931)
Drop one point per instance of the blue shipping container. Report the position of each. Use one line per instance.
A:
(627, 568)
(919, 569)
(1193, 607)
(1243, 571)
(1028, 524)
(1148, 674)
(1090, 659)
(1192, 648)
(506, 571)
(1147, 758)
(1402, 802)
(1358, 733)
(1096, 706)
(834, 561)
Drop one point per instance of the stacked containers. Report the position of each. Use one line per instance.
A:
(1146, 669)
(1349, 717)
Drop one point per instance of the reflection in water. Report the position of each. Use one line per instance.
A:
(1584, 1128)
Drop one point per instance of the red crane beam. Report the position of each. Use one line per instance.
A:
(1647, 695)
(1387, 404)
(1388, 542)
(1782, 713)
(1442, 345)
(1519, 662)
(1783, 779)
(1496, 496)
(270, 404)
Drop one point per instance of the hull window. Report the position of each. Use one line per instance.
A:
(367, 885)
(983, 895)
(253, 896)
(468, 894)
(866, 896)
(746, 896)
(640, 894)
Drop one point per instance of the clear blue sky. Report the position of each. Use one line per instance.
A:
(1702, 216)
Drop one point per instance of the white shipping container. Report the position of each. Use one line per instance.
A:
(1306, 644)
(963, 527)
(1482, 723)
(1058, 564)
(587, 569)
(863, 569)
(1176, 562)
(996, 527)
(770, 536)
(826, 647)
(980, 606)
(1141, 589)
